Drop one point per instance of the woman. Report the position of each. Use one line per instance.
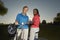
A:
(35, 25)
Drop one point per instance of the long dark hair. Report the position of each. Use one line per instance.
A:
(37, 11)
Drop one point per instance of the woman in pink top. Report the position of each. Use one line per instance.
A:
(35, 25)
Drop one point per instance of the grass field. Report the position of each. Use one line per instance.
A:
(50, 32)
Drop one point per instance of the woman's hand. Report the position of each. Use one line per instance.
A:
(30, 22)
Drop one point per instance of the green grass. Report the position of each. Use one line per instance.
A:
(50, 32)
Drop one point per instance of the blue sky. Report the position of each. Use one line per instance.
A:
(48, 9)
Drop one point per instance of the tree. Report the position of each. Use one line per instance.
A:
(3, 9)
(44, 22)
(57, 18)
(58, 14)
